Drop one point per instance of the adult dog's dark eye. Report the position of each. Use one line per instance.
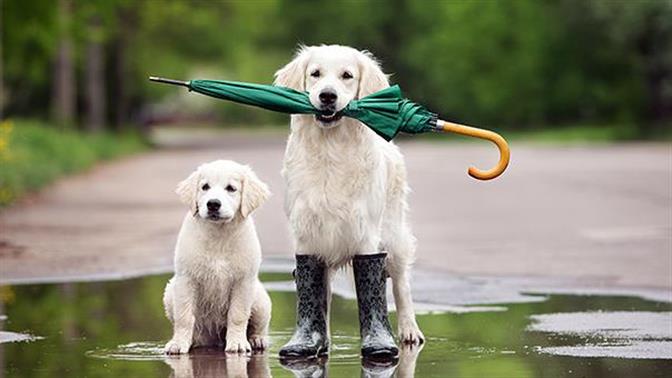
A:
(205, 187)
(230, 189)
(346, 75)
(315, 73)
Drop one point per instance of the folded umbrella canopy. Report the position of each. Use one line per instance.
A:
(385, 112)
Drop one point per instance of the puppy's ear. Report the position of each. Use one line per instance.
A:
(372, 79)
(187, 190)
(253, 192)
(293, 74)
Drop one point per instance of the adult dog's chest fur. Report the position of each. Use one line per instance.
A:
(334, 177)
(335, 190)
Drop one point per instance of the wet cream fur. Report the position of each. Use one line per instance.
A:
(215, 294)
(346, 186)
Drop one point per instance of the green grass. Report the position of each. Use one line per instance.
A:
(33, 154)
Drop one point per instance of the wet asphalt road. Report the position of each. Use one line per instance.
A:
(594, 215)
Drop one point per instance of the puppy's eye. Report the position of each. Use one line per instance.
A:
(346, 75)
(230, 189)
(205, 187)
(315, 73)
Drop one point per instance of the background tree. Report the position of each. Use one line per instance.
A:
(64, 95)
(521, 64)
(94, 75)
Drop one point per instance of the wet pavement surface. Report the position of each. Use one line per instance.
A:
(598, 213)
(475, 327)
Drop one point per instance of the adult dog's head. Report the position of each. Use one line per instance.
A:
(222, 190)
(333, 76)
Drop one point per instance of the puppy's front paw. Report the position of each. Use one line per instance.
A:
(258, 342)
(238, 345)
(177, 347)
(409, 332)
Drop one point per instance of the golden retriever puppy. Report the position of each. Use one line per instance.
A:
(215, 297)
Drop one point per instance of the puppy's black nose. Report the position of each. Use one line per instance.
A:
(328, 96)
(214, 205)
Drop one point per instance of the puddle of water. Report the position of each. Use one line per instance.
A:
(624, 334)
(13, 337)
(115, 329)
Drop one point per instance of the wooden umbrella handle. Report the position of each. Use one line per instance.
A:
(504, 152)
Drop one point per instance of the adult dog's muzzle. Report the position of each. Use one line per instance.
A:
(328, 98)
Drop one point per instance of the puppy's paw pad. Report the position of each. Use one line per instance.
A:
(258, 342)
(238, 346)
(176, 347)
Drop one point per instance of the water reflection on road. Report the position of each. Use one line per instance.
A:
(117, 329)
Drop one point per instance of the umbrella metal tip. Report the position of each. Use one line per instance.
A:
(169, 81)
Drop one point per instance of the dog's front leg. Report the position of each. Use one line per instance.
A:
(240, 307)
(183, 317)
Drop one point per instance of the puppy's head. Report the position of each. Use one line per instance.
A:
(333, 76)
(222, 190)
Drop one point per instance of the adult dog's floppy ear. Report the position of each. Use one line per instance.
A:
(253, 192)
(372, 79)
(293, 74)
(187, 190)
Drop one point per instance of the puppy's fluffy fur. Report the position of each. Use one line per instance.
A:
(346, 186)
(215, 294)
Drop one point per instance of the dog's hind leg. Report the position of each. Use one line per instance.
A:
(168, 300)
(407, 327)
(260, 317)
(399, 242)
(398, 267)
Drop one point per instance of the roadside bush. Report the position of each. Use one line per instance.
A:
(33, 154)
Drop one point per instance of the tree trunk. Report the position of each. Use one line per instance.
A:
(2, 100)
(126, 17)
(63, 96)
(95, 79)
(121, 106)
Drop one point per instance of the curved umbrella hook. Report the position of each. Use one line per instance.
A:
(504, 152)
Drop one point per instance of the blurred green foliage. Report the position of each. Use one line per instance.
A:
(32, 154)
(521, 64)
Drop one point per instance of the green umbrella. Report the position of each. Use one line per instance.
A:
(385, 112)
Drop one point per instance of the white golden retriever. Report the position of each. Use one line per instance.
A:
(346, 186)
(215, 294)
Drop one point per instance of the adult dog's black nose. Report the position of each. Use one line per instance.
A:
(214, 205)
(328, 96)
